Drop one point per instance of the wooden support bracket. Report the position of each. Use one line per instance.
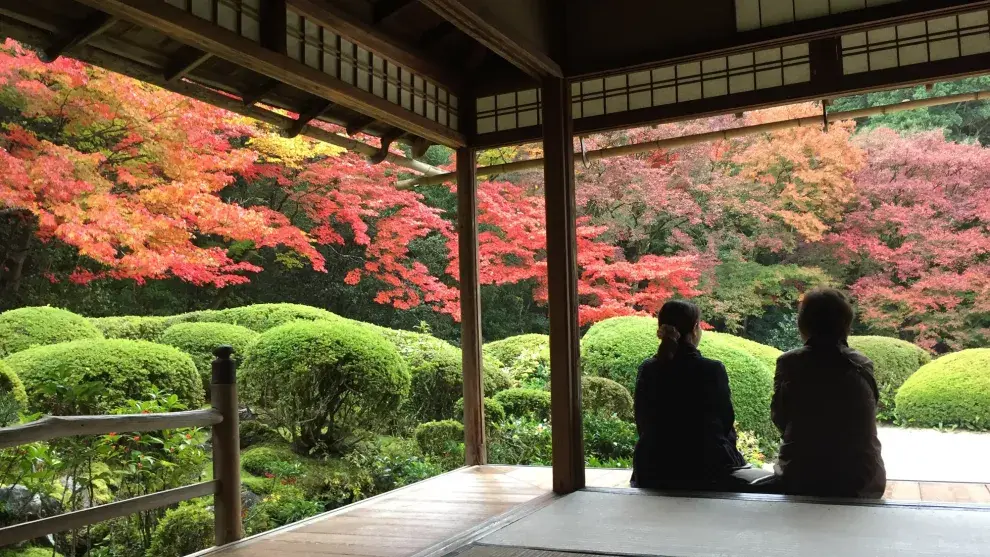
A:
(387, 140)
(316, 109)
(92, 26)
(186, 61)
(359, 125)
(254, 95)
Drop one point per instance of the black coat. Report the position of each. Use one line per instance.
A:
(825, 406)
(685, 419)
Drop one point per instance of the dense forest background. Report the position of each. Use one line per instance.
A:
(118, 198)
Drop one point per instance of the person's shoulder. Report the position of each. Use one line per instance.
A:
(857, 358)
(650, 363)
(794, 355)
(709, 364)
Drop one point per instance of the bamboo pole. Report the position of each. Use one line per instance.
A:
(732, 133)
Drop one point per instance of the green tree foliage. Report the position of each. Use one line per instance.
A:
(952, 391)
(323, 381)
(115, 370)
(199, 340)
(24, 328)
(894, 360)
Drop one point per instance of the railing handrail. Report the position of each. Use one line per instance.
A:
(55, 427)
(78, 519)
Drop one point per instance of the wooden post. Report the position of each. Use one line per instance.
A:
(467, 234)
(226, 449)
(565, 375)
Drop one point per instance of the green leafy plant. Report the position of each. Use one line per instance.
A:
(521, 441)
(894, 360)
(443, 439)
(285, 505)
(608, 439)
(183, 530)
(12, 390)
(526, 358)
(952, 391)
(199, 340)
(605, 398)
(25, 328)
(520, 403)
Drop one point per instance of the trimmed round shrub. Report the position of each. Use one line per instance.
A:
(199, 340)
(440, 438)
(526, 358)
(615, 348)
(894, 360)
(605, 398)
(121, 370)
(10, 384)
(494, 411)
(182, 531)
(953, 390)
(766, 354)
(323, 381)
(133, 327)
(25, 328)
(519, 403)
(262, 317)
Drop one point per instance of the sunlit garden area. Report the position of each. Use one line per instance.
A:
(140, 230)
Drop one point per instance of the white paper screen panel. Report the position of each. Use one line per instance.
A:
(756, 14)
(508, 111)
(239, 16)
(916, 42)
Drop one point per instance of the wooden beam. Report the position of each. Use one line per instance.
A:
(272, 18)
(201, 34)
(384, 9)
(186, 61)
(562, 269)
(419, 147)
(54, 427)
(316, 109)
(394, 50)
(359, 125)
(92, 26)
(479, 24)
(436, 35)
(471, 360)
(387, 138)
(253, 96)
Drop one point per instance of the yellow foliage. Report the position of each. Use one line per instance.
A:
(276, 148)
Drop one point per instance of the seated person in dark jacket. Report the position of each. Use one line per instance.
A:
(825, 406)
(684, 412)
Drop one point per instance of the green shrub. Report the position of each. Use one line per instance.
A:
(526, 358)
(29, 552)
(285, 505)
(894, 360)
(262, 317)
(608, 439)
(766, 354)
(397, 462)
(11, 385)
(273, 459)
(494, 411)
(199, 340)
(135, 327)
(25, 328)
(183, 530)
(606, 398)
(520, 403)
(324, 382)
(121, 369)
(521, 441)
(615, 348)
(952, 391)
(254, 432)
(440, 438)
(749, 445)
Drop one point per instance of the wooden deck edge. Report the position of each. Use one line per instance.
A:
(767, 497)
(471, 535)
(316, 518)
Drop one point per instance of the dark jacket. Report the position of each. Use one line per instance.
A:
(825, 406)
(685, 420)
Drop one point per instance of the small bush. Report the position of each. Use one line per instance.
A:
(952, 391)
(282, 506)
(766, 354)
(120, 370)
(183, 530)
(397, 462)
(526, 358)
(521, 441)
(135, 327)
(262, 317)
(25, 328)
(272, 459)
(440, 438)
(11, 385)
(605, 398)
(894, 360)
(199, 340)
(255, 433)
(608, 439)
(494, 412)
(520, 403)
(749, 445)
(323, 382)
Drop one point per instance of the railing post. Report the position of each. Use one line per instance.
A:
(226, 449)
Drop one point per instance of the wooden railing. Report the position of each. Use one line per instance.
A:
(225, 487)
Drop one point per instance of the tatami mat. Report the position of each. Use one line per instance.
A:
(620, 524)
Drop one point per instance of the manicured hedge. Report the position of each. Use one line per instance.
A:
(262, 317)
(199, 340)
(183, 531)
(894, 360)
(494, 411)
(439, 438)
(121, 369)
(766, 354)
(526, 358)
(11, 383)
(606, 398)
(323, 380)
(24, 328)
(519, 403)
(614, 348)
(136, 327)
(953, 390)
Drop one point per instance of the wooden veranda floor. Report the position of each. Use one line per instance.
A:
(434, 515)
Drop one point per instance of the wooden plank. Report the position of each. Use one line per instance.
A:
(561, 214)
(402, 54)
(95, 24)
(954, 493)
(470, 290)
(479, 24)
(77, 519)
(199, 33)
(903, 491)
(186, 61)
(384, 9)
(54, 427)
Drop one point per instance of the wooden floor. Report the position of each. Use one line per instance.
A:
(416, 520)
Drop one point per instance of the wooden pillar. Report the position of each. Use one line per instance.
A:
(467, 245)
(226, 449)
(565, 375)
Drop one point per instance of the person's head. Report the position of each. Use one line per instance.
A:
(825, 313)
(678, 321)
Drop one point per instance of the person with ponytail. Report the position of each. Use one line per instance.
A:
(684, 414)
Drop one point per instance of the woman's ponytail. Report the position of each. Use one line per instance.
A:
(676, 320)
